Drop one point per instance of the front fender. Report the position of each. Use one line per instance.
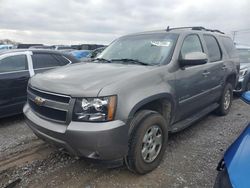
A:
(141, 103)
(136, 91)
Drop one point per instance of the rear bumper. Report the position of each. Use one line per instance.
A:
(104, 141)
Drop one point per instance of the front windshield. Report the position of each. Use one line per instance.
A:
(150, 49)
(244, 55)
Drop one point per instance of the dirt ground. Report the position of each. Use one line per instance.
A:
(190, 159)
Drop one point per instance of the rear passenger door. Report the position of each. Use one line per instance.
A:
(45, 61)
(216, 67)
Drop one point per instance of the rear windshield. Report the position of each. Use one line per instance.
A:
(151, 49)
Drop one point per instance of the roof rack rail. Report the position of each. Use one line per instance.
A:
(195, 28)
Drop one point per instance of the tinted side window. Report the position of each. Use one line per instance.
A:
(191, 44)
(229, 46)
(13, 63)
(62, 60)
(44, 60)
(213, 48)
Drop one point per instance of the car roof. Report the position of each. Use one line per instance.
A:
(182, 30)
(31, 50)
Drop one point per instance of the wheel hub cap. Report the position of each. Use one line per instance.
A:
(227, 100)
(152, 143)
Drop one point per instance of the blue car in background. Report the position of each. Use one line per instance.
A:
(234, 168)
(79, 54)
(6, 46)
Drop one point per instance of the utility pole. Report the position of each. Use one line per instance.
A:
(234, 34)
(243, 31)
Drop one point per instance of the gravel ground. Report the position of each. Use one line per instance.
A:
(190, 160)
(14, 133)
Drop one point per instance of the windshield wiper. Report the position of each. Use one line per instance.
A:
(135, 61)
(103, 59)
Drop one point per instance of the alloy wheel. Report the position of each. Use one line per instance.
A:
(227, 99)
(152, 143)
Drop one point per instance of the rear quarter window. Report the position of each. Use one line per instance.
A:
(70, 58)
(63, 60)
(229, 46)
(41, 60)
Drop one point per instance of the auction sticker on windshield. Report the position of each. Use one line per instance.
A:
(161, 43)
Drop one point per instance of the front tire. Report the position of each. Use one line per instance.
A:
(226, 100)
(148, 141)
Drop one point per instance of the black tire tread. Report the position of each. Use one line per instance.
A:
(139, 118)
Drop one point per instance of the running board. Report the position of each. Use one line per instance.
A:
(190, 120)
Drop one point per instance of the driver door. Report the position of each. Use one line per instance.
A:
(191, 81)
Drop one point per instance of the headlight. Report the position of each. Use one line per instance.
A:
(243, 72)
(95, 109)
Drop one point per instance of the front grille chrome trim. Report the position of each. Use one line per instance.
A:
(51, 94)
(49, 103)
(47, 92)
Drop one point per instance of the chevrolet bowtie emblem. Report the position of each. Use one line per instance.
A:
(39, 101)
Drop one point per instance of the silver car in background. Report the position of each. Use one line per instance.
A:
(244, 77)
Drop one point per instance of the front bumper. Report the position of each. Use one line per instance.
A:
(103, 141)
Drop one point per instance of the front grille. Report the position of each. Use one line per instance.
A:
(53, 106)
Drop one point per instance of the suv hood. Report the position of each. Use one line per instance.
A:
(85, 79)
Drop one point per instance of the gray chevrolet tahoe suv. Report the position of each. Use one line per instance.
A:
(123, 105)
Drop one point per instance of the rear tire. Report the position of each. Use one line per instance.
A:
(147, 142)
(226, 100)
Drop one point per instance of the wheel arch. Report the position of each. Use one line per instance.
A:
(232, 78)
(156, 103)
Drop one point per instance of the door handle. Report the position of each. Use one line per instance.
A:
(205, 73)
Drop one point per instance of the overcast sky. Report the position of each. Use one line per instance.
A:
(101, 21)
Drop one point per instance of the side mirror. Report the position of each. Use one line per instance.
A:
(246, 97)
(193, 58)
